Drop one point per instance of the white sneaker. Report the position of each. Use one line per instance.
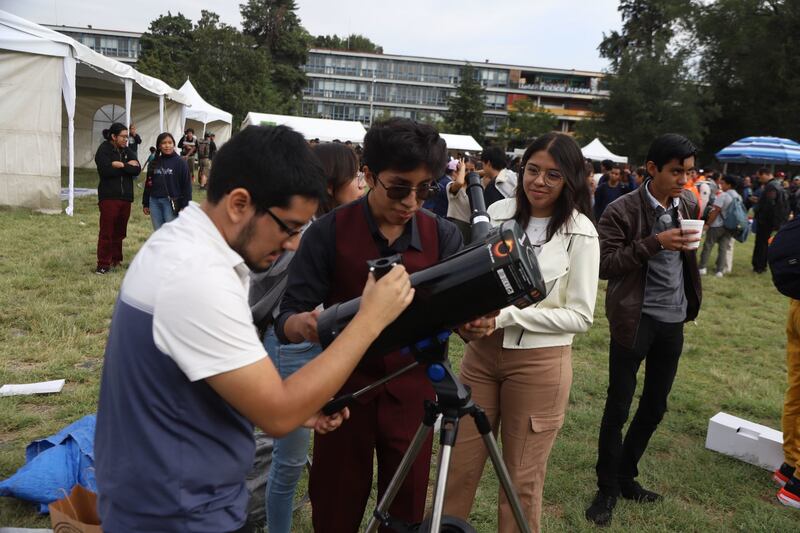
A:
(719, 275)
(703, 271)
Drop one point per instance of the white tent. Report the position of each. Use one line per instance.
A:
(311, 128)
(461, 142)
(204, 117)
(596, 151)
(40, 67)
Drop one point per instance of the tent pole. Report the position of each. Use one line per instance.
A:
(68, 91)
(724, 168)
(161, 113)
(128, 97)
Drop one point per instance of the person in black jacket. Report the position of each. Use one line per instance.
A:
(117, 167)
(168, 187)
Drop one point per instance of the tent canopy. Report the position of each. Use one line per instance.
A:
(311, 128)
(42, 109)
(213, 119)
(596, 151)
(761, 151)
(461, 142)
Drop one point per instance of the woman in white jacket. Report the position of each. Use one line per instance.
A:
(522, 373)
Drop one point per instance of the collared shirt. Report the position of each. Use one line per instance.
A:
(664, 299)
(171, 454)
(312, 268)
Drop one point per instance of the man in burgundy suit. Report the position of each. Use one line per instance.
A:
(403, 160)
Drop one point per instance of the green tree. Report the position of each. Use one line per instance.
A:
(750, 67)
(465, 107)
(651, 90)
(229, 72)
(526, 121)
(276, 28)
(167, 48)
(354, 43)
(223, 64)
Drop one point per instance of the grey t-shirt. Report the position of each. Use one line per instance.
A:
(664, 297)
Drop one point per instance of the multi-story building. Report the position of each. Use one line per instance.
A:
(120, 45)
(361, 86)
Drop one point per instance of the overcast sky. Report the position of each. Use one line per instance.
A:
(543, 33)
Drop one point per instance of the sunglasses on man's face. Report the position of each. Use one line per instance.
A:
(398, 192)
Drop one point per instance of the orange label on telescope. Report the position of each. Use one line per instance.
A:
(503, 248)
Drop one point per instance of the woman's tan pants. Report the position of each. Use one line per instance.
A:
(525, 395)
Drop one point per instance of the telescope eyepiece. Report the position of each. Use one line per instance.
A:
(382, 266)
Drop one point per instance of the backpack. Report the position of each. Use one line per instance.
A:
(782, 207)
(203, 149)
(735, 219)
(784, 259)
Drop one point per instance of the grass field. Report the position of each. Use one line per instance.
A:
(54, 314)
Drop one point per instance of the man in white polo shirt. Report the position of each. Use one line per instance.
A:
(185, 375)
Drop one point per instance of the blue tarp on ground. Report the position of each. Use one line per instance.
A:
(54, 465)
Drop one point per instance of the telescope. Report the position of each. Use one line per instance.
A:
(499, 271)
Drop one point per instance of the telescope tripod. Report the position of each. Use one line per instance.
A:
(453, 402)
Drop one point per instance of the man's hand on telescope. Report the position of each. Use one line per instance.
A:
(385, 299)
(478, 328)
(322, 424)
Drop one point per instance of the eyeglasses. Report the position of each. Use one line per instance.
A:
(398, 192)
(285, 227)
(551, 177)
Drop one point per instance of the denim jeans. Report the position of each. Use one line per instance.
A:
(289, 452)
(161, 212)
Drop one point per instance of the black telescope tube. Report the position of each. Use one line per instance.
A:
(478, 218)
(483, 278)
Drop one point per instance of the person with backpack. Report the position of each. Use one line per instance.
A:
(204, 159)
(717, 232)
(771, 212)
(784, 263)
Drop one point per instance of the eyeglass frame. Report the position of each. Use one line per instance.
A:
(285, 227)
(543, 173)
(433, 188)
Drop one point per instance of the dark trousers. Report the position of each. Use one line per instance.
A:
(341, 471)
(661, 344)
(763, 233)
(114, 215)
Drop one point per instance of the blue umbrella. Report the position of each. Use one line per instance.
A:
(761, 151)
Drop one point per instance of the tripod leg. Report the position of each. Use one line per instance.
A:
(449, 430)
(399, 476)
(485, 429)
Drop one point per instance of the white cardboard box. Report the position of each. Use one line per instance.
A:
(745, 440)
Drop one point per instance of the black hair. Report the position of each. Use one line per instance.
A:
(187, 130)
(152, 149)
(495, 156)
(670, 146)
(641, 171)
(115, 129)
(763, 170)
(160, 138)
(340, 164)
(574, 195)
(731, 180)
(273, 163)
(404, 145)
(606, 164)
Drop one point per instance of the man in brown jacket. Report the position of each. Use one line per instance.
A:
(653, 288)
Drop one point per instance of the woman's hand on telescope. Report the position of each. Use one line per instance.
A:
(478, 328)
(383, 300)
(322, 424)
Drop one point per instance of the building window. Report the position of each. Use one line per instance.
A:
(104, 118)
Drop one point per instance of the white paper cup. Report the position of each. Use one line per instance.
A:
(691, 224)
